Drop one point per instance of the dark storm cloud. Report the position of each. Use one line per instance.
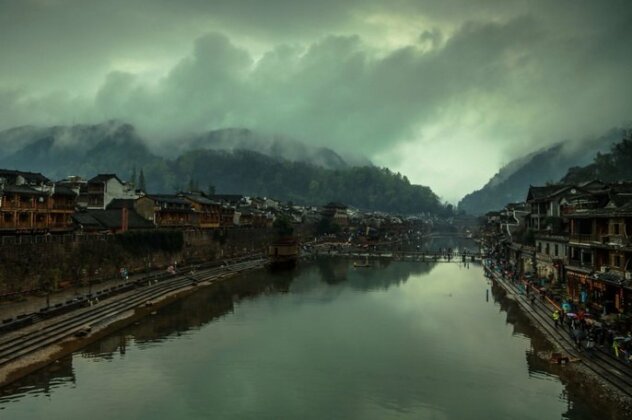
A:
(398, 81)
(338, 89)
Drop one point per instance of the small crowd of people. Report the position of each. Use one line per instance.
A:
(583, 329)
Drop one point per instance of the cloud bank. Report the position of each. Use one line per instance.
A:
(444, 91)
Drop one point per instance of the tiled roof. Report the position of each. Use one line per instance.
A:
(86, 220)
(111, 219)
(198, 198)
(543, 192)
(122, 203)
(613, 277)
(23, 189)
(335, 205)
(30, 177)
(168, 198)
(621, 187)
(228, 198)
(104, 178)
(61, 190)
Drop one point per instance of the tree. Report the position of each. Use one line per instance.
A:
(133, 177)
(141, 181)
(327, 226)
(283, 226)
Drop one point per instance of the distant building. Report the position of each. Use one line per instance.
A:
(104, 188)
(75, 183)
(111, 220)
(207, 212)
(167, 210)
(31, 203)
(337, 212)
(231, 199)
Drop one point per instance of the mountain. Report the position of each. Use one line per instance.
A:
(273, 146)
(511, 183)
(252, 173)
(61, 151)
(46, 147)
(206, 160)
(614, 166)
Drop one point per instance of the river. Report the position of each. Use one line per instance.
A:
(397, 340)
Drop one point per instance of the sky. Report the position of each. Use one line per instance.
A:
(443, 91)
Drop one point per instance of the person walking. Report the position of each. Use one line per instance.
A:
(556, 318)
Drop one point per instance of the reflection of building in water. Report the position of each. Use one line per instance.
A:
(450, 242)
(381, 275)
(333, 270)
(106, 347)
(41, 381)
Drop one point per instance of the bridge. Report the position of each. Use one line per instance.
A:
(421, 256)
(432, 235)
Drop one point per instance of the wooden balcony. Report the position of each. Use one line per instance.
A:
(13, 205)
(579, 263)
(173, 222)
(618, 240)
(584, 238)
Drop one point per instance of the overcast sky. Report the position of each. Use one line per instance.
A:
(444, 91)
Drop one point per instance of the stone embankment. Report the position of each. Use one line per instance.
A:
(48, 262)
(30, 348)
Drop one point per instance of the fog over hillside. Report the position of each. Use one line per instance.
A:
(547, 165)
(442, 91)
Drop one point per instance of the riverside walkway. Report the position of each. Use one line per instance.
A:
(600, 360)
(33, 308)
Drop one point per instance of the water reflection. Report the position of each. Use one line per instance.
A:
(434, 244)
(193, 312)
(41, 382)
(400, 339)
(582, 403)
(381, 274)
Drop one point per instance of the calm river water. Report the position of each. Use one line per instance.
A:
(398, 340)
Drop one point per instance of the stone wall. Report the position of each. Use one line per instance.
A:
(30, 263)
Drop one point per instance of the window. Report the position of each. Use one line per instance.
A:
(616, 229)
(616, 260)
(539, 246)
(556, 250)
(546, 249)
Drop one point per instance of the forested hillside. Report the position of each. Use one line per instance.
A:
(252, 173)
(113, 147)
(547, 165)
(613, 166)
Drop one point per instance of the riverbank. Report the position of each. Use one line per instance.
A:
(327, 338)
(601, 382)
(31, 348)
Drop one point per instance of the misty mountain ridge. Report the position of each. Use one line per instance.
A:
(512, 181)
(274, 146)
(203, 163)
(51, 147)
(61, 151)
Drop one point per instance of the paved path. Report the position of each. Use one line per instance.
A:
(600, 361)
(35, 303)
